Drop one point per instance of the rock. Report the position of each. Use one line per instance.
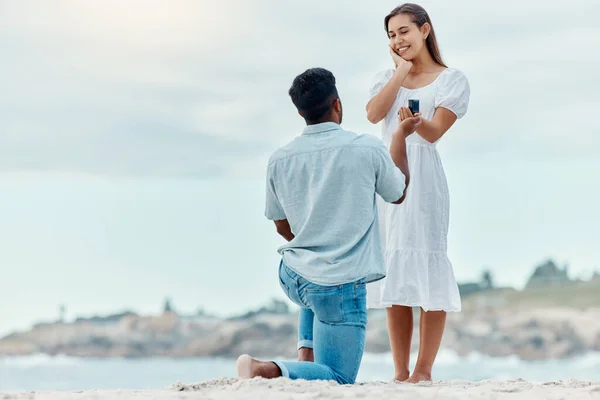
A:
(530, 333)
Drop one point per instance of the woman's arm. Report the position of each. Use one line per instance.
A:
(433, 130)
(451, 103)
(380, 104)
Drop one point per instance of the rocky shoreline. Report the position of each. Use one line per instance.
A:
(530, 334)
(552, 318)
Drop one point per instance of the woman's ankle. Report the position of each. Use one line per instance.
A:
(401, 374)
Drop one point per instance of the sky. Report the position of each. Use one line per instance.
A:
(134, 137)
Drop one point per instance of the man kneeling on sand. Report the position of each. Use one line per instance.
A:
(321, 191)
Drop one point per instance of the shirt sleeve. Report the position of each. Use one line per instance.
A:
(454, 93)
(390, 182)
(273, 209)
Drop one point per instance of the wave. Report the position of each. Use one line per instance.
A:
(477, 367)
(449, 357)
(444, 358)
(36, 360)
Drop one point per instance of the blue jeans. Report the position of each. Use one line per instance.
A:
(337, 317)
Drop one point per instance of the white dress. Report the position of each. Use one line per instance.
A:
(414, 233)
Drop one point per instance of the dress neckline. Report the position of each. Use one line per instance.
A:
(430, 83)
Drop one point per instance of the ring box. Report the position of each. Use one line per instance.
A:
(413, 105)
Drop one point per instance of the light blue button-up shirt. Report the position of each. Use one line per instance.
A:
(324, 183)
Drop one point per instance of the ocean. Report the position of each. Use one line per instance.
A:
(41, 372)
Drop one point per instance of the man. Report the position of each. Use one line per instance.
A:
(321, 191)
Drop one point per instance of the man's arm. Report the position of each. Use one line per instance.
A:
(391, 171)
(284, 229)
(398, 154)
(393, 166)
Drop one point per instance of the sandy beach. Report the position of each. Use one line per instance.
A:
(260, 389)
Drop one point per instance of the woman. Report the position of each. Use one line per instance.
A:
(414, 234)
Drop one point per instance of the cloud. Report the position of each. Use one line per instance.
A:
(200, 88)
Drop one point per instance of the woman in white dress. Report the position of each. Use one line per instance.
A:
(414, 234)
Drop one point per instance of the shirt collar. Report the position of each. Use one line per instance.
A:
(321, 128)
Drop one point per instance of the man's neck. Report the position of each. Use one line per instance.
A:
(322, 122)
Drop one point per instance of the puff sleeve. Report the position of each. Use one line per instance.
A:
(379, 81)
(454, 93)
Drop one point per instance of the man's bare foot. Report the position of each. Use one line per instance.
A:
(248, 368)
(419, 377)
(306, 354)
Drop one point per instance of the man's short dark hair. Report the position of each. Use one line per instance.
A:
(313, 93)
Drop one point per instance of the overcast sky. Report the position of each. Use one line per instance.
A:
(134, 137)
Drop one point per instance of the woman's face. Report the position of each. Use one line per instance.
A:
(405, 36)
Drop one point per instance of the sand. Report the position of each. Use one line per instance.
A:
(282, 389)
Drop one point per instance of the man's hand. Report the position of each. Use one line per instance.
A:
(408, 123)
(284, 229)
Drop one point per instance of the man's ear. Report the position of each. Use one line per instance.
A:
(337, 105)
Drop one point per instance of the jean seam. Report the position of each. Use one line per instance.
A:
(326, 289)
(284, 287)
(302, 297)
(296, 280)
(356, 303)
(287, 288)
(282, 283)
(287, 271)
(342, 308)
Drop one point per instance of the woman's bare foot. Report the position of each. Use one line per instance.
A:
(401, 377)
(419, 377)
(306, 354)
(248, 368)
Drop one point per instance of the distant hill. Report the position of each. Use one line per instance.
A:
(581, 295)
(549, 322)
